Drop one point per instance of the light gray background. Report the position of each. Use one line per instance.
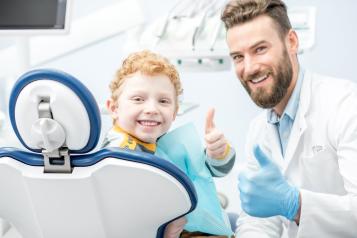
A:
(333, 54)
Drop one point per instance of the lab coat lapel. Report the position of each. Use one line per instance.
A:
(272, 144)
(300, 121)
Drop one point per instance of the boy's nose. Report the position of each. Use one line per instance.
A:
(151, 107)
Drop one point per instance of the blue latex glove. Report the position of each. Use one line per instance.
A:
(266, 193)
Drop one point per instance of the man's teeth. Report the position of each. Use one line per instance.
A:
(257, 80)
(149, 123)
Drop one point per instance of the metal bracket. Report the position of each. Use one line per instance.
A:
(57, 161)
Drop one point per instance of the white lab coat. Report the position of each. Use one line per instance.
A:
(320, 159)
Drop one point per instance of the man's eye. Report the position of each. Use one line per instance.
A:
(260, 49)
(237, 58)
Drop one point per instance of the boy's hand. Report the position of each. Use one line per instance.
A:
(174, 228)
(216, 143)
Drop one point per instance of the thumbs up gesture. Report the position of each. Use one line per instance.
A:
(216, 144)
(266, 193)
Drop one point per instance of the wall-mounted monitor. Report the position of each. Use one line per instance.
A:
(22, 17)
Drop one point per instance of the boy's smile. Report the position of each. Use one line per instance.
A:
(148, 123)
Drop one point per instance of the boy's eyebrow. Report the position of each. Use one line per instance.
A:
(143, 91)
(167, 94)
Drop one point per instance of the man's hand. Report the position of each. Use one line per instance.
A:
(174, 228)
(266, 193)
(216, 144)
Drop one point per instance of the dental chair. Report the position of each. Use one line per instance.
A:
(59, 189)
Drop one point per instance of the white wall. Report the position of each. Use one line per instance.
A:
(336, 38)
(334, 54)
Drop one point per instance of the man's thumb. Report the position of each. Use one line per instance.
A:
(261, 157)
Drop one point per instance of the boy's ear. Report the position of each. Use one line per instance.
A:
(175, 113)
(112, 108)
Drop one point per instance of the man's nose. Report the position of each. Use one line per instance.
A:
(250, 66)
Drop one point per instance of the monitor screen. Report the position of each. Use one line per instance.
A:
(28, 15)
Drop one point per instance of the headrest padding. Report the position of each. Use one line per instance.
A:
(67, 109)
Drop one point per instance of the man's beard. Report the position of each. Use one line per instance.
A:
(281, 82)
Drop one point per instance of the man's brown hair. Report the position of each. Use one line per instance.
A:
(240, 11)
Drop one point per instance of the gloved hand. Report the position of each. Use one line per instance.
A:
(174, 228)
(217, 146)
(266, 193)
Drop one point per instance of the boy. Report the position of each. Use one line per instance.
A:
(143, 105)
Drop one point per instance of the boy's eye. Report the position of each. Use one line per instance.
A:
(137, 99)
(165, 101)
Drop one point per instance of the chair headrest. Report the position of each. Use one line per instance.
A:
(49, 108)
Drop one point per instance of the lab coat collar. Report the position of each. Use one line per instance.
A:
(298, 128)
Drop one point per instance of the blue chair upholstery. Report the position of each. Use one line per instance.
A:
(61, 189)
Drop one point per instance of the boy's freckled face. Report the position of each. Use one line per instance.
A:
(146, 106)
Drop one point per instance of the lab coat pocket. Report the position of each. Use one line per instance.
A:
(314, 150)
(320, 164)
(318, 155)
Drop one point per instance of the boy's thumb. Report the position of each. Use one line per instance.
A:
(209, 120)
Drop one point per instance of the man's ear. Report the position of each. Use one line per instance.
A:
(112, 108)
(292, 42)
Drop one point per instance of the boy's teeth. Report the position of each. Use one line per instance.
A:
(149, 123)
